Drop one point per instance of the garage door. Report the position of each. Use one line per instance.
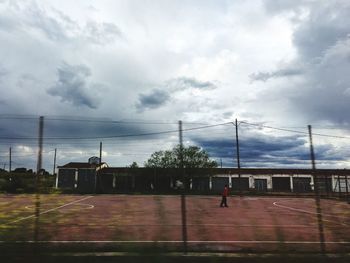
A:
(260, 185)
(218, 184)
(281, 184)
(66, 178)
(240, 184)
(86, 181)
(301, 184)
(324, 184)
(200, 184)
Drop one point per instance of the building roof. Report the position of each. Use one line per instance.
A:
(215, 171)
(79, 165)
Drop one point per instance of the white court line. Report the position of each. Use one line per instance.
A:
(304, 211)
(50, 210)
(175, 241)
(312, 213)
(190, 225)
(33, 206)
(88, 206)
(213, 225)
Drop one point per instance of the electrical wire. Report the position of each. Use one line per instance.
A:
(114, 136)
(97, 120)
(294, 131)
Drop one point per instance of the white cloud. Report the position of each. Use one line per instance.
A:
(72, 86)
(168, 60)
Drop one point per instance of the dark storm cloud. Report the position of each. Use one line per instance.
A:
(160, 96)
(61, 127)
(14, 128)
(72, 86)
(89, 127)
(264, 150)
(255, 147)
(184, 83)
(322, 42)
(264, 76)
(155, 99)
(325, 95)
(325, 27)
(254, 151)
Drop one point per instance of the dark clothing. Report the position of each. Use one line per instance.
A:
(223, 201)
(224, 197)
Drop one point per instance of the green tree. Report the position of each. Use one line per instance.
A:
(193, 157)
(134, 165)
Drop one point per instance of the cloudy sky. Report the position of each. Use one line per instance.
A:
(122, 71)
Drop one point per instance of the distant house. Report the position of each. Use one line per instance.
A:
(79, 176)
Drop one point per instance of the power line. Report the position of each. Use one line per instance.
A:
(135, 121)
(21, 117)
(114, 136)
(85, 143)
(97, 120)
(294, 131)
(18, 117)
(112, 121)
(89, 138)
(19, 156)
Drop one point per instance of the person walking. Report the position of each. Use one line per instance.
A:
(224, 197)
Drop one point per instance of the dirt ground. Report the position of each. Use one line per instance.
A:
(157, 224)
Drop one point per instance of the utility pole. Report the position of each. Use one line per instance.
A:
(37, 181)
(238, 160)
(181, 157)
(98, 168)
(54, 168)
(311, 149)
(317, 194)
(183, 197)
(54, 162)
(347, 189)
(10, 160)
(100, 154)
(40, 144)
